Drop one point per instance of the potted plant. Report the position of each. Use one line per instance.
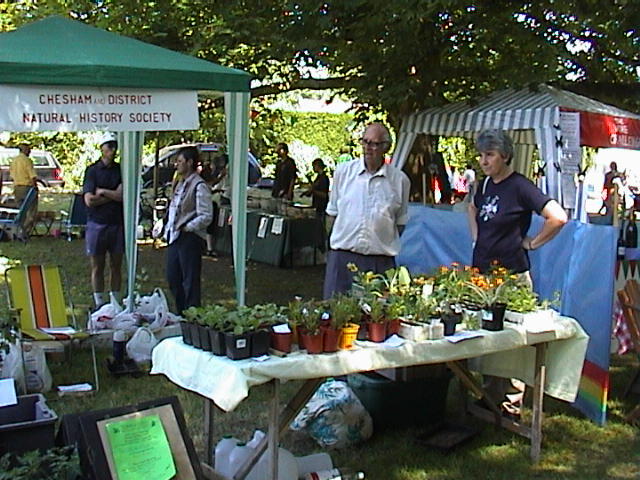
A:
(345, 312)
(416, 326)
(238, 339)
(330, 334)
(264, 316)
(396, 311)
(193, 315)
(490, 292)
(310, 334)
(450, 291)
(215, 318)
(186, 325)
(273, 317)
(376, 326)
(294, 315)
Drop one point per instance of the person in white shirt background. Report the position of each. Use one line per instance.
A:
(469, 178)
(367, 211)
(190, 213)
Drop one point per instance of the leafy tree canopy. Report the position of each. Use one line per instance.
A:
(395, 56)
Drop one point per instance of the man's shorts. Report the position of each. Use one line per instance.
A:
(101, 238)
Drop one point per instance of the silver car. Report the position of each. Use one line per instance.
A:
(46, 166)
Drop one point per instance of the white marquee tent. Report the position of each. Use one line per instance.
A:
(533, 119)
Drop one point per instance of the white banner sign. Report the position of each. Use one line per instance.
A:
(571, 158)
(36, 108)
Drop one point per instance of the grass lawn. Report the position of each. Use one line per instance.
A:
(573, 447)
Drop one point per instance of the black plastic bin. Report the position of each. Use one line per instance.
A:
(28, 425)
(421, 402)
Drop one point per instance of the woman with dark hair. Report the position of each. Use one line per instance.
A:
(319, 189)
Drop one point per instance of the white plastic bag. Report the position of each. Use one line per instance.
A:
(125, 321)
(101, 318)
(139, 347)
(147, 304)
(11, 366)
(158, 229)
(334, 416)
(38, 377)
(160, 318)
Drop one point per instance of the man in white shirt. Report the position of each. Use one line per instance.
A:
(190, 213)
(368, 210)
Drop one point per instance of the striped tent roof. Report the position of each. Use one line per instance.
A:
(506, 109)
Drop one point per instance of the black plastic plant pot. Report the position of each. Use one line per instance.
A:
(450, 321)
(497, 318)
(185, 328)
(195, 335)
(205, 341)
(218, 346)
(238, 347)
(260, 340)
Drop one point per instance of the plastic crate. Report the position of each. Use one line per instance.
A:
(420, 402)
(28, 425)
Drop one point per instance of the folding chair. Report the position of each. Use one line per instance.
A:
(18, 222)
(629, 299)
(76, 217)
(36, 298)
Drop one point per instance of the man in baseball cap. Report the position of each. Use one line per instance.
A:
(102, 190)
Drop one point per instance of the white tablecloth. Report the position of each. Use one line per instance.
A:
(507, 353)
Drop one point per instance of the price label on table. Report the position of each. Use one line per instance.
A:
(277, 226)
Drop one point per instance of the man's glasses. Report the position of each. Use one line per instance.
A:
(368, 143)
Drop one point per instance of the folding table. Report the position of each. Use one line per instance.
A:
(549, 357)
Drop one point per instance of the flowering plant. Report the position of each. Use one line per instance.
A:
(497, 286)
(375, 308)
(451, 288)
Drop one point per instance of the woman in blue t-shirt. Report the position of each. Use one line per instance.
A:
(500, 214)
(499, 217)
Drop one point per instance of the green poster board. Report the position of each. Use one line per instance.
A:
(140, 449)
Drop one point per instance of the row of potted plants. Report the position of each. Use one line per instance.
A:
(418, 308)
(454, 295)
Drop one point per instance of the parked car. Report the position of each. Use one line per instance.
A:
(46, 166)
(208, 152)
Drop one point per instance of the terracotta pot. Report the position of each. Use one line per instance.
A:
(300, 333)
(312, 343)
(348, 334)
(281, 341)
(393, 327)
(377, 331)
(330, 338)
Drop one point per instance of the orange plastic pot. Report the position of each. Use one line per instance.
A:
(348, 335)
